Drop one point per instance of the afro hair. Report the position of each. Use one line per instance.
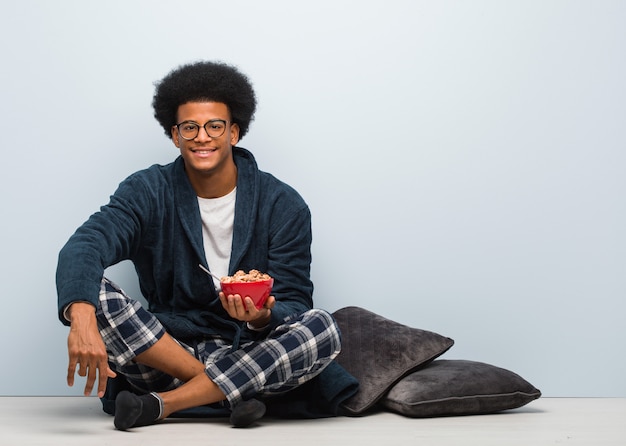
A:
(205, 81)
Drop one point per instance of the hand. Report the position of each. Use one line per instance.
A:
(243, 309)
(87, 350)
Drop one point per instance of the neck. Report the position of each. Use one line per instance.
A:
(214, 184)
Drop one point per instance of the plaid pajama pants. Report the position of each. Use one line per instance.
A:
(291, 354)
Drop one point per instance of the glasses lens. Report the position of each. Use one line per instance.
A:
(188, 130)
(215, 128)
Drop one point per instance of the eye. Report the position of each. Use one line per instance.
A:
(188, 127)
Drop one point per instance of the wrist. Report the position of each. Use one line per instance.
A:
(261, 322)
(79, 309)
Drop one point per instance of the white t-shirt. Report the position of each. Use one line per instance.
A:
(218, 217)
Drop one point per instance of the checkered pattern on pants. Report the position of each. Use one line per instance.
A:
(291, 354)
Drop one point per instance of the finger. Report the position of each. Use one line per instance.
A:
(224, 301)
(71, 370)
(240, 305)
(82, 368)
(233, 300)
(250, 305)
(103, 375)
(103, 387)
(91, 380)
(228, 305)
(236, 306)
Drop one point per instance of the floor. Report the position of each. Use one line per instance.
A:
(71, 421)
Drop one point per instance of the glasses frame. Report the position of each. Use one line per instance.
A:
(210, 121)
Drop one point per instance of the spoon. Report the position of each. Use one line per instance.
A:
(215, 276)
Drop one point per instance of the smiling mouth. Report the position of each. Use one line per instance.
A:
(203, 151)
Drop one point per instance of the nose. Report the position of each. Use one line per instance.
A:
(202, 134)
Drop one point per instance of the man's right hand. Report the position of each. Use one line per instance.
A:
(86, 349)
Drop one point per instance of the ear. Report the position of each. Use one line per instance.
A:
(175, 139)
(234, 134)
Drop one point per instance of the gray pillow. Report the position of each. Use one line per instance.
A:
(378, 352)
(457, 387)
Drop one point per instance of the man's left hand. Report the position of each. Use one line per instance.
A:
(243, 309)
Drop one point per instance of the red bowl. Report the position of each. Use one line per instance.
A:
(258, 291)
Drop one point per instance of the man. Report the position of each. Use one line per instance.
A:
(211, 207)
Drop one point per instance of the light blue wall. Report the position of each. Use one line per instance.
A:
(464, 162)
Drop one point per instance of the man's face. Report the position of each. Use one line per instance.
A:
(204, 154)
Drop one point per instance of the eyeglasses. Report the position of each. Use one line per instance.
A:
(188, 130)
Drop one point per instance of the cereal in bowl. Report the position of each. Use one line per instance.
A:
(240, 276)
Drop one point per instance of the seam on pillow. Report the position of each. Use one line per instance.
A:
(458, 398)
